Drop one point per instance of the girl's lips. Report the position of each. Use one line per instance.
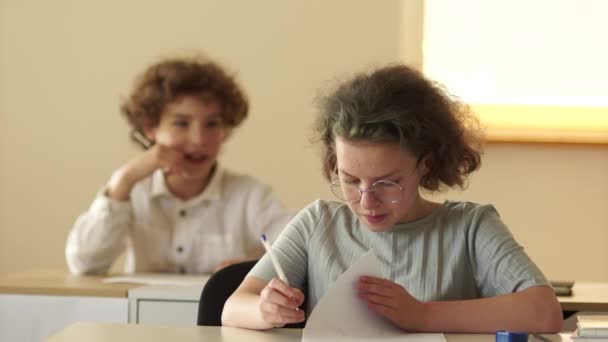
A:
(375, 219)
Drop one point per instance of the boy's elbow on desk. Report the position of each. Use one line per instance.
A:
(81, 264)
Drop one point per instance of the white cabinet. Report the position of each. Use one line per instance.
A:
(36, 304)
(165, 304)
(32, 318)
(161, 312)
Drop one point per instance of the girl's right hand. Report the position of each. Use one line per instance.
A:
(279, 304)
(156, 157)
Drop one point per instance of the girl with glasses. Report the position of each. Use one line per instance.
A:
(447, 267)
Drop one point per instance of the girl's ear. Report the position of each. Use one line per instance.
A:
(426, 164)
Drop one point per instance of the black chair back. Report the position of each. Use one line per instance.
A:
(218, 288)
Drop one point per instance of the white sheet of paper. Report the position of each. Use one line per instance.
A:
(340, 315)
(159, 279)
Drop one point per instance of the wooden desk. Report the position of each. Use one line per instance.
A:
(61, 283)
(98, 332)
(586, 296)
(36, 304)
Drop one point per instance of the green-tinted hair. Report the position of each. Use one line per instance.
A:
(398, 104)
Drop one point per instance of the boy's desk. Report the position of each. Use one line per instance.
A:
(36, 304)
(586, 296)
(94, 332)
(61, 283)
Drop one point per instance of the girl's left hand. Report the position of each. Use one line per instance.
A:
(392, 301)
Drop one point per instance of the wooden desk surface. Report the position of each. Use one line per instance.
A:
(586, 296)
(52, 282)
(94, 332)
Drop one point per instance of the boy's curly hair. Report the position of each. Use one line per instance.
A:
(167, 80)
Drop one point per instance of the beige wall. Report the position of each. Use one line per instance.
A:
(64, 66)
(555, 200)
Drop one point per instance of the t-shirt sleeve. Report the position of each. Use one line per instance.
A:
(290, 249)
(501, 264)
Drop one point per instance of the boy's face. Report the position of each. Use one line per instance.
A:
(194, 128)
(360, 164)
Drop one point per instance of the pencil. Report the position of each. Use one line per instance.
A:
(275, 262)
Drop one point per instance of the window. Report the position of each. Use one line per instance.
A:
(533, 70)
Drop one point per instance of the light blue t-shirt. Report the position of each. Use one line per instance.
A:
(460, 251)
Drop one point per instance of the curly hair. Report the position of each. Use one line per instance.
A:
(169, 79)
(398, 104)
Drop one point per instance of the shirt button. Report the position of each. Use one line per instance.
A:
(182, 212)
(180, 249)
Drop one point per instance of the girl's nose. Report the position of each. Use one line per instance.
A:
(369, 200)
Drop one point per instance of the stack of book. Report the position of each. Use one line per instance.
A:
(562, 288)
(591, 328)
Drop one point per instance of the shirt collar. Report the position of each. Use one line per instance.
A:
(212, 192)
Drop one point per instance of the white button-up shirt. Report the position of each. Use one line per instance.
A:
(162, 233)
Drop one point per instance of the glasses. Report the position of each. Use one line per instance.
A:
(384, 190)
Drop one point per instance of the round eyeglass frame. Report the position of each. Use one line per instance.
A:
(337, 189)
